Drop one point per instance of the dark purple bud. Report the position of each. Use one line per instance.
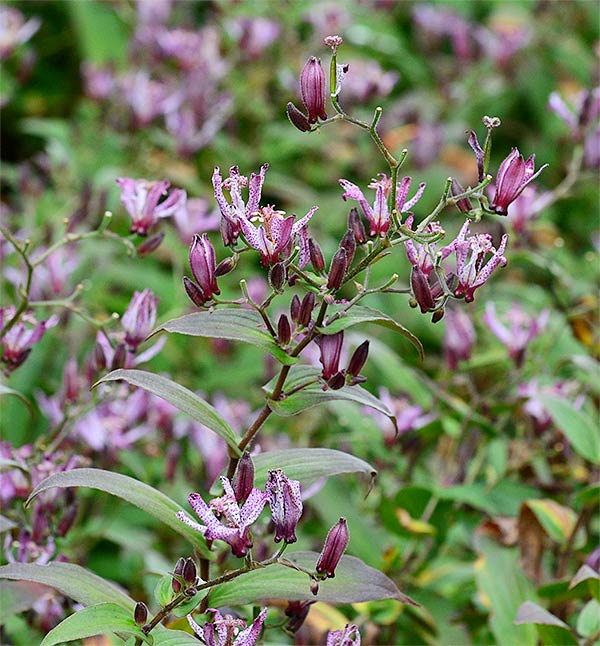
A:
(316, 255)
(99, 358)
(150, 244)
(171, 461)
(243, 480)
(335, 546)
(178, 572)
(337, 270)
(66, 522)
(478, 150)
(336, 382)
(464, 204)
(359, 379)
(194, 292)
(349, 244)
(202, 263)
(356, 226)
(306, 308)
(71, 381)
(297, 118)
(225, 266)
(189, 572)
(421, 290)
(314, 587)
(358, 360)
(297, 611)
(331, 349)
(295, 308)
(284, 330)
(438, 315)
(140, 614)
(312, 89)
(277, 276)
(286, 505)
(119, 357)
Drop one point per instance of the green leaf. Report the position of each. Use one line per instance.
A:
(72, 580)
(557, 520)
(361, 314)
(137, 493)
(308, 465)
(353, 582)
(95, 620)
(588, 622)
(5, 390)
(182, 398)
(588, 497)
(232, 324)
(163, 591)
(577, 427)
(584, 573)
(174, 638)
(313, 394)
(552, 630)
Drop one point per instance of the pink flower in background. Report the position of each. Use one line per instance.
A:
(197, 217)
(409, 416)
(15, 30)
(139, 318)
(459, 336)
(533, 392)
(254, 35)
(17, 342)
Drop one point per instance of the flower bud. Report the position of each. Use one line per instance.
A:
(331, 349)
(295, 308)
(226, 265)
(194, 292)
(356, 226)
(337, 270)
(336, 382)
(202, 263)
(284, 330)
(464, 204)
(358, 359)
(243, 481)
(150, 244)
(312, 89)
(178, 572)
(119, 357)
(335, 546)
(316, 255)
(349, 244)
(297, 611)
(140, 614)
(306, 308)
(438, 315)
(314, 587)
(189, 572)
(277, 276)
(99, 358)
(421, 289)
(297, 118)
(286, 505)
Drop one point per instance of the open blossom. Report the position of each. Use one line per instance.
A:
(473, 266)
(234, 526)
(286, 505)
(228, 631)
(349, 636)
(18, 341)
(142, 201)
(423, 255)
(514, 175)
(521, 331)
(378, 215)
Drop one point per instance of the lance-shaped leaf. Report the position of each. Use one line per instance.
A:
(552, 631)
(231, 324)
(72, 580)
(354, 582)
(95, 620)
(312, 394)
(5, 390)
(342, 320)
(557, 520)
(182, 398)
(174, 638)
(137, 493)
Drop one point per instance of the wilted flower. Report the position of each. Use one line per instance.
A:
(227, 631)
(378, 216)
(521, 331)
(18, 341)
(139, 318)
(349, 636)
(286, 505)
(513, 176)
(459, 337)
(141, 199)
(335, 546)
(235, 525)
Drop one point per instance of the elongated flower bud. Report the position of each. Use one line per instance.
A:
(335, 546)
(150, 244)
(316, 255)
(331, 349)
(119, 357)
(140, 613)
(337, 270)
(358, 360)
(194, 292)
(421, 289)
(297, 119)
(312, 89)
(284, 330)
(189, 572)
(464, 204)
(243, 481)
(277, 276)
(226, 265)
(349, 244)
(202, 263)
(295, 308)
(286, 505)
(306, 308)
(175, 583)
(356, 226)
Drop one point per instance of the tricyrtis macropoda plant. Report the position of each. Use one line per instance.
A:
(241, 537)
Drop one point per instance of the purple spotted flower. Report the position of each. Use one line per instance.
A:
(513, 176)
(423, 255)
(521, 330)
(142, 201)
(139, 318)
(473, 263)
(234, 526)
(286, 505)
(349, 636)
(227, 631)
(18, 341)
(378, 215)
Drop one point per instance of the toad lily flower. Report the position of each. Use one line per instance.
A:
(513, 176)
(286, 505)
(18, 341)
(141, 199)
(139, 318)
(222, 630)
(235, 525)
(349, 636)
(378, 215)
